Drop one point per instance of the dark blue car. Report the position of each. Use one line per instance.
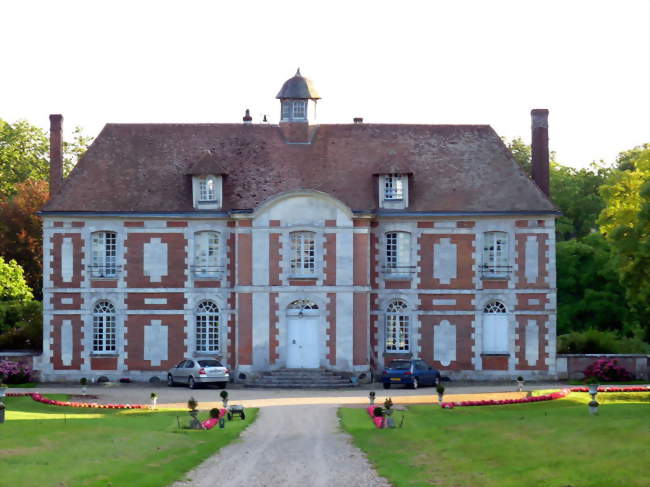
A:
(411, 373)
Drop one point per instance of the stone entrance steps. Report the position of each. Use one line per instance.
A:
(301, 379)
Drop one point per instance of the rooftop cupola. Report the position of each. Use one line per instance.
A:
(298, 99)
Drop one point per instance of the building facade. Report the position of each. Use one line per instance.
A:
(299, 245)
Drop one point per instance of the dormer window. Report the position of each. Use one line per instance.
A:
(393, 187)
(393, 191)
(207, 189)
(206, 192)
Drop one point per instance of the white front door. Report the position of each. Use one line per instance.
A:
(302, 337)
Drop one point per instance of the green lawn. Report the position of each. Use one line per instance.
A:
(42, 445)
(555, 443)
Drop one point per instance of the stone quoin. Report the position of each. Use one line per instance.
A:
(299, 245)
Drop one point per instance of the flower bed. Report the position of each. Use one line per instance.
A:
(613, 389)
(497, 402)
(53, 402)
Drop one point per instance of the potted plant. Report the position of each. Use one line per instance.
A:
(154, 399)
(440, 389)
(192, 405)
(371, 397)
(388, 413)
(224, 398)
(520, 383)
(84, 385)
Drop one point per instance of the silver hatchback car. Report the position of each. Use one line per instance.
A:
(197, 372)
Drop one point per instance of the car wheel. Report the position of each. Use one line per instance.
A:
(386, 385)
(170, 380)
(415, 383)
(190, 383)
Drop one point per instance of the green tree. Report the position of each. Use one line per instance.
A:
(521, 152)
(575, 192)
(21, 235)
(625, 222)
(13, 286)
(24, 154)
(588, 289)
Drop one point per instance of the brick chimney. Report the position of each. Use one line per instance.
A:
(56, 153)
(539, 146)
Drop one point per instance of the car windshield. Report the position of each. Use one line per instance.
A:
(400, 364)
(209, 363)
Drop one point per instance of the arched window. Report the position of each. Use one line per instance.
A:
(207, 327)
(495, 307)
(397, 327)
(104, 334)
(495, 255)
(302, 304)
(206, 254)
(104, 250)
(302, 254)
(207, 188)
(495, 328)
(398, 253)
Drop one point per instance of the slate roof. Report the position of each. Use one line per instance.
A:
(298, 87)
(148, 167)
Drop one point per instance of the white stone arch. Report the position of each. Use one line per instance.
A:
(303, 207)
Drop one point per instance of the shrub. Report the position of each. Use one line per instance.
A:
(14, 372)
(607, 370)
(596, 341)
(21, 325)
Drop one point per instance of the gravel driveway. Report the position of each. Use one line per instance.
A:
(288, 446)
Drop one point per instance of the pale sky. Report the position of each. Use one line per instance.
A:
(432, 62)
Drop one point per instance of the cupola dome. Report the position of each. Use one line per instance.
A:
(298, 87)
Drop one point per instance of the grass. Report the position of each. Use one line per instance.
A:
(42, 445)
(555, 443)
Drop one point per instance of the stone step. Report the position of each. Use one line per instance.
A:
(301, 379)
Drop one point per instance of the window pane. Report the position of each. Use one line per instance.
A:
(299, 109)
(207, 327)
(302, 253)
(393, 187)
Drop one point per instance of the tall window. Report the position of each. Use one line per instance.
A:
(207, 188)
(104, 247)
(495, 255)
(206, 254)
(302, 253)
(495, 328)
(104, 327)
(397, 327)
(300, 109)
(207, 327)
(286, 109)
(398, 253)
(393, 187)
